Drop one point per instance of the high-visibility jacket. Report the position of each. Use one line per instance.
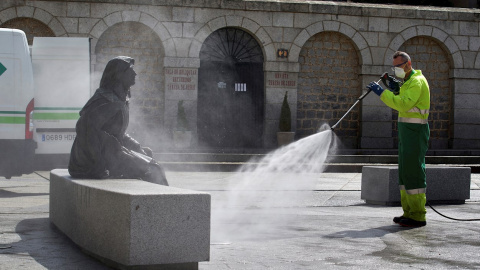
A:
(413, 101)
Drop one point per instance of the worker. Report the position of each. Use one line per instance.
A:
(412, 104)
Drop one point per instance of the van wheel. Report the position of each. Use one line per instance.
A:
(8, 177)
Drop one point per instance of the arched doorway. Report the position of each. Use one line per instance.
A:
(31, 27)
(328, 85)
(148, 94)
(230, 90)
(428, 56)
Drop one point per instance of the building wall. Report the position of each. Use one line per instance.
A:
(375, 32)
(328, 85)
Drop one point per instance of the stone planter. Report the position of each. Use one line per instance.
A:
(284, 138)
(182, 139)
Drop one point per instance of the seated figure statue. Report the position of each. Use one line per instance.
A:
(101, 148)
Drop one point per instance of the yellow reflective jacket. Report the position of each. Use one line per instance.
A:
(413, 101)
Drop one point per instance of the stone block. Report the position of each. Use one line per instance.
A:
(98, 29)
(374, 113)
(444, 185)
(70, 24)
(57, 27)
(276, 33)
(131, 15)
(465, 144)
(432, 14)
(376, 143)
(250, 25)
(54, 8)
(41, 15)
(398, 25)
(466, 116)
(474, 43)
(377, 129)
(78, 9)
(462, 42)
(181, 14)
(466, 131)
(281, 19)
(25, 11)
(85, 25)
(132, 224)
(467, 101)
(148, 20)
(469, 28)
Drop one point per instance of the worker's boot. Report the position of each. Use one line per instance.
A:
(417, 211)
(405, 207)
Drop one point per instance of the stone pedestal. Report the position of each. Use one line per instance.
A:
(132, 224)
(450, 185)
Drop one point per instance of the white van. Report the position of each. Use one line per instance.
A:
(56, 75)
(61, 75)
(17, 147)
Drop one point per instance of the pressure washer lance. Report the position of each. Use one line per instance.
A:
(353, 106)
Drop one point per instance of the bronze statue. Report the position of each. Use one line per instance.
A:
(101, 148)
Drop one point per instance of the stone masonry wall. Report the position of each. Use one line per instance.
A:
(328, 85)
(147, 102)
(451, 37)
(429, 57)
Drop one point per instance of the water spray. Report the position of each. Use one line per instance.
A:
(353, 106)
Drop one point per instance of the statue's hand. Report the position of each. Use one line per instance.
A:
(147, 151)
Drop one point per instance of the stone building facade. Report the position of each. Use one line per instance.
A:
(232, 62)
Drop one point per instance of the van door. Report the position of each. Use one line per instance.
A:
(16, 104)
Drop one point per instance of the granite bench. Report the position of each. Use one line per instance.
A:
(447, 185)
(132, 224)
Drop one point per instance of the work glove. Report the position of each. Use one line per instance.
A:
(394, 86)
(376, 88)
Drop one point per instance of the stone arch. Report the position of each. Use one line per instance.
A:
(231, 90)
(242, 23)
(328, 85)
(429, 56)
(31, 27)
(477, 61)
(135, 16)
(331, 26)
(447, 43)
(137, 40)
(34, 14)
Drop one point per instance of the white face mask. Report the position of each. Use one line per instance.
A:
(399, 72)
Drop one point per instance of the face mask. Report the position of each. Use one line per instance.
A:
(399, 72)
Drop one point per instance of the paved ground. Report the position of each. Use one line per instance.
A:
(323, 227)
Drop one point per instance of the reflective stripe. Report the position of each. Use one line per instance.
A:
(417, 110)
(413, 191)
(412, 120)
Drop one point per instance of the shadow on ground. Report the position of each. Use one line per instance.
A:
(48, 246)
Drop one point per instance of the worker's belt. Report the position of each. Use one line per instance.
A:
(413, 191)
(412, 120)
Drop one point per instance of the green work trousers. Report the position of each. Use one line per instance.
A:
(412, 147)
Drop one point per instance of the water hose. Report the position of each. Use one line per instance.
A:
(457, 219)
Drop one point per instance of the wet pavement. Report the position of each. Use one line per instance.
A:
(326, 227)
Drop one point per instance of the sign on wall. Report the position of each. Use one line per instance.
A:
(181, 78)
(282, 79)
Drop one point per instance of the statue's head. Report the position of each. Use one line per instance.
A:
(119, 76)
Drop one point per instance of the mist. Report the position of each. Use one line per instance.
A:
(262, 194)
